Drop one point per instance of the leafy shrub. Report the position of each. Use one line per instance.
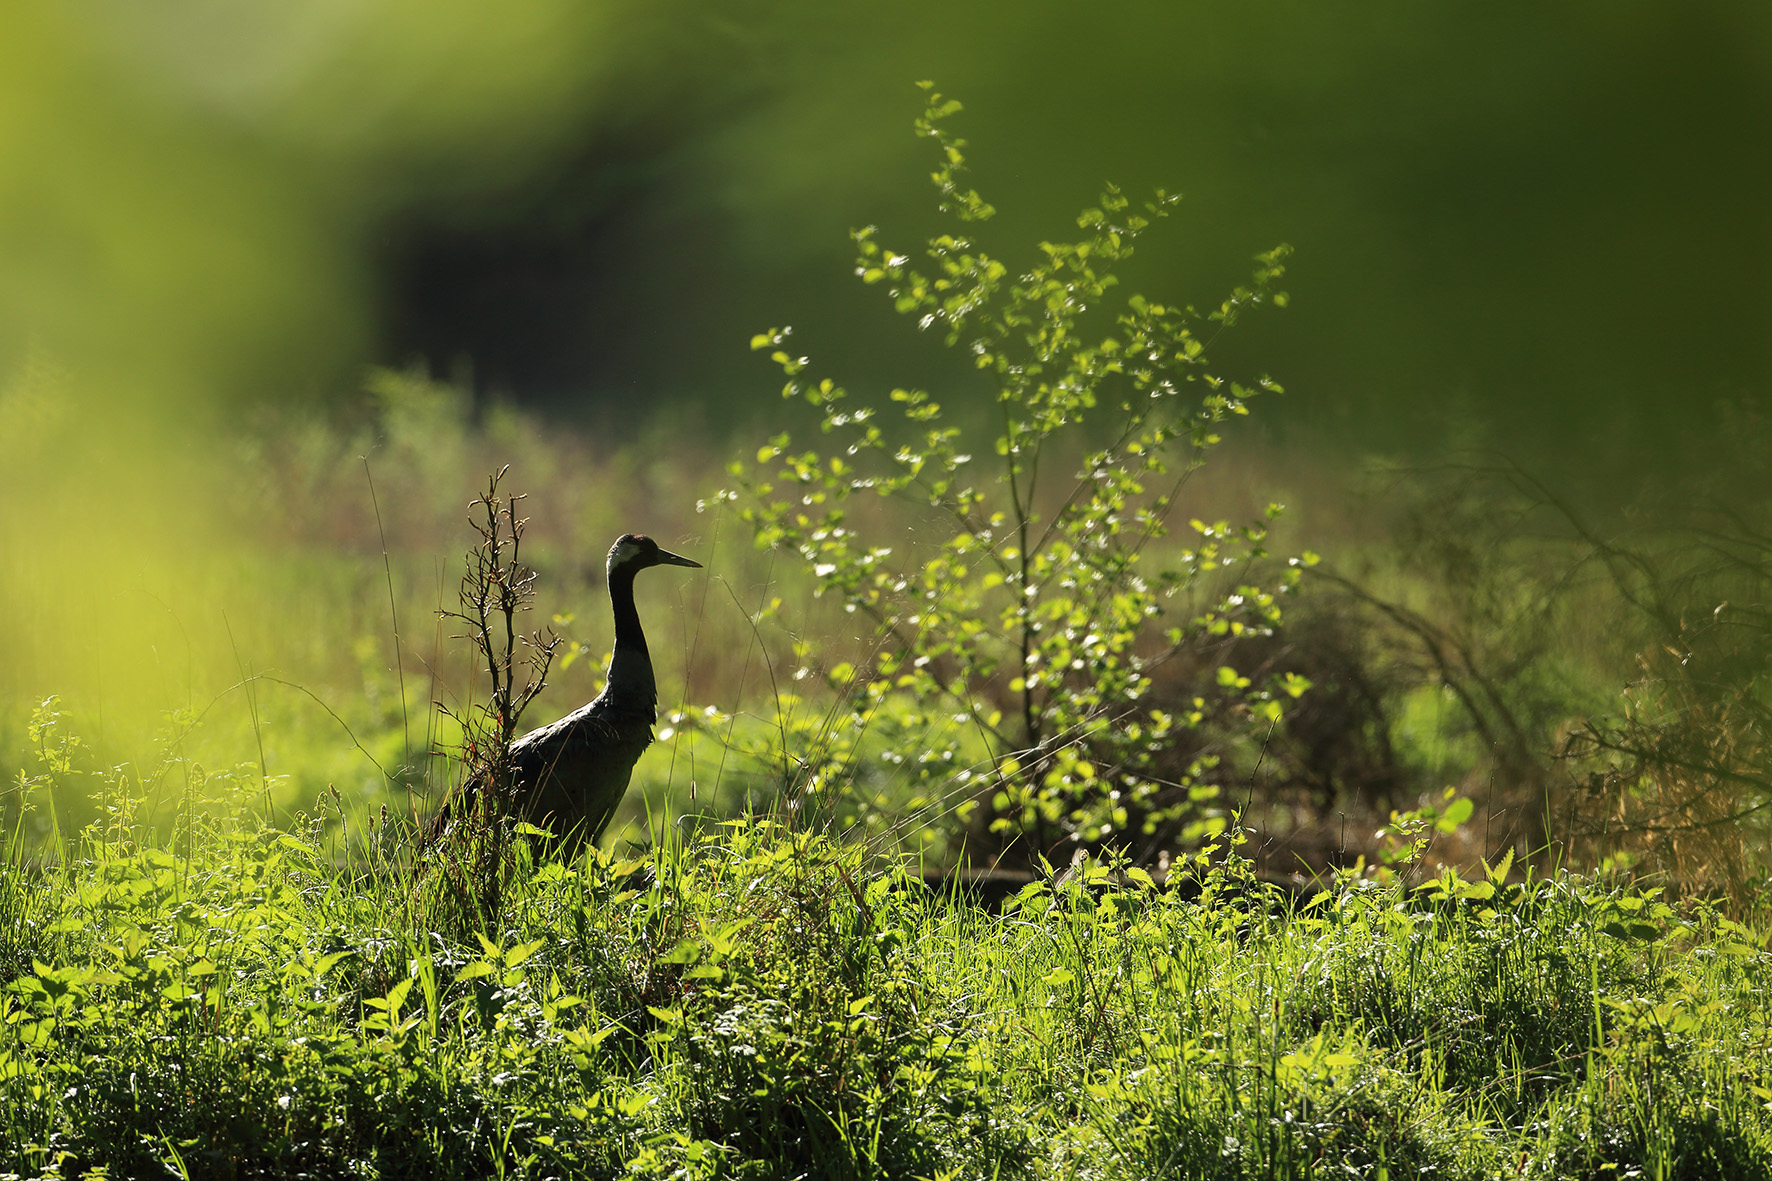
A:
(1012, 643)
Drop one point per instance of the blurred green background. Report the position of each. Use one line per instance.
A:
(1543, 229)
(1551, 221)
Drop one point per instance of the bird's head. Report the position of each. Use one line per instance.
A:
(632, 551)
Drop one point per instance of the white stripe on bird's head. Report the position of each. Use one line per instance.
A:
(630, 546)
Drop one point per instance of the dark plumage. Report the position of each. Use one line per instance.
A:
(569, 776)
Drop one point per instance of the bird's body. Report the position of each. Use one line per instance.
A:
(569, 775)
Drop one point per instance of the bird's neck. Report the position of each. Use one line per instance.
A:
(630, 668)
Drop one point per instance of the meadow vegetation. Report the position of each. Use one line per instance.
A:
(771, 1002)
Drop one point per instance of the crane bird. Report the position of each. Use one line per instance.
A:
(568, 776)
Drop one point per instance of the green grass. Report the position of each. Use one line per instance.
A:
(758, 1002)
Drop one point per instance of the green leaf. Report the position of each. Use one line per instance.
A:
(1455, 814)
(397, 996)
(687, 951)
(522, 952)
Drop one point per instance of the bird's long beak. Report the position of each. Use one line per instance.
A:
(667, 558)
